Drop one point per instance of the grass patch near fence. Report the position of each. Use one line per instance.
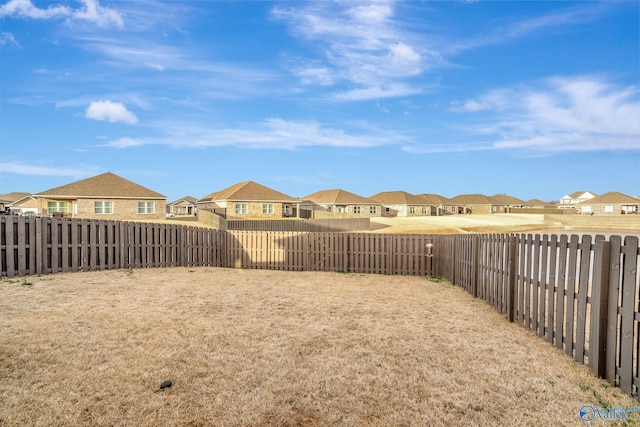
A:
(260, 347)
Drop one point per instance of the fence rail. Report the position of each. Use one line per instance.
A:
(579, 294)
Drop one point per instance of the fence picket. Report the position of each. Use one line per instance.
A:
(583, 287)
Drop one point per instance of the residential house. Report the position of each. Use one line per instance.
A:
(250, 200)
(105, 196)
(401, 203)
(568, 200)
(478, 204)
(610, 203)
(20, 202)
(537, 204)
(506, 201)
(341, 201)
(443, 204)
(183, 206)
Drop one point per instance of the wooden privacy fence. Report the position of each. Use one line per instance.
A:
(30, 246)
(579, 294)
(34, 246)
(347, 252)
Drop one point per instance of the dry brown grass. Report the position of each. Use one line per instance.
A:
(258, 347)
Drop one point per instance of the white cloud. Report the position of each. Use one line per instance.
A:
(91, 11)
(7, 38)
(110, 111)
(273, 133)
(584, 113)
(360, 44)
(376, 92)
(26, 9)
(469, 106)
(102, 16)
(22, 169)
(124, 143)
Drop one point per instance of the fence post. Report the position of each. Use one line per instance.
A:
(511, 282)
(629, 268)
(612, 317)
(39, 247)
(475, 264)
(599, 308)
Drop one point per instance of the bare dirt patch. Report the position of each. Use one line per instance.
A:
(459, 224)
(259, 347)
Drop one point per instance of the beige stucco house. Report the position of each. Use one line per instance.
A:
(610, 203)
(250, 200)
(105, 196)
(341, 201)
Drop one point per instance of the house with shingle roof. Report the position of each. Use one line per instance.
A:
(478, 204)
(442, 204)
(574, 198)
(19, 202)
(183, 206)
(538, 204)
(507, 200)
(342, 201)
(105, 196)
(250, 200)
(610, 203)
(401, 203)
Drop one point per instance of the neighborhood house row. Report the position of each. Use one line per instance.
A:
(109, 195)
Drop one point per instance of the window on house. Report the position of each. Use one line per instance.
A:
(103, 207)
(242, 208)
(607, 209)
(58, 207)
(424, 209)
(146, 208)
(267, 208)
(387, 210)
(373, 210)
(585, 209)
(356, 209)
(412, 209)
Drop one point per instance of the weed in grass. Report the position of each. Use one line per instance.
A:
(11, 281)
(436, 279)
(603, 403)
(551, 382)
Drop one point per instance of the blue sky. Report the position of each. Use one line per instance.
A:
(534, 99)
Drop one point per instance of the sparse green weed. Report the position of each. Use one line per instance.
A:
(603, 403)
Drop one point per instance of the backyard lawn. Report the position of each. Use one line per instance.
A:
(260, 347)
